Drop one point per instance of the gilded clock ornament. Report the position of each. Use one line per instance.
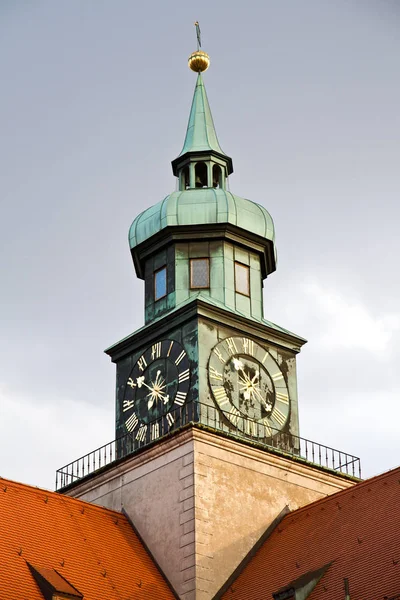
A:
(248, 386)
(157, 387)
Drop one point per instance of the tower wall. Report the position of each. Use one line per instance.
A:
(200, 501)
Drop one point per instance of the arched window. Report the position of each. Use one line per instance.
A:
(201, 175)
(217, 176)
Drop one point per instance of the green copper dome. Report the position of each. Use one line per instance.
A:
(202, 207)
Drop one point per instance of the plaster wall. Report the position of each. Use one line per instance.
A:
(239, 491)
(201, 501)
(156, 489)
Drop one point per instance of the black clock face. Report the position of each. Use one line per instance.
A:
(248, 386)
(155, 389)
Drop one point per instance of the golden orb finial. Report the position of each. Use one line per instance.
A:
(199, 61)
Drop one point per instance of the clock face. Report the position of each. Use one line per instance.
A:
(156, 389)
(248, 386)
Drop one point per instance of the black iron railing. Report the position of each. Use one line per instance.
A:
(235, 426)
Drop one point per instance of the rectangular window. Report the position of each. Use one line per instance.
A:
(242, 279)
(160, 283)
(199, 273)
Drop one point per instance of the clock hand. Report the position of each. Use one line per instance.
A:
(154, 395)
(158, 385)
(267, 405)
(255, 377)
(240, 367)
(251, 388)
(238, 364)
(164, 398)
(155, 389)
(140, 381)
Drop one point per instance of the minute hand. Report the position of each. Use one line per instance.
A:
(261, 398)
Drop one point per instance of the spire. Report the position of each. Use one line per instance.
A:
(201, 138)
(200, 134)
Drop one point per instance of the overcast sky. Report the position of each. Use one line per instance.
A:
(94, 105)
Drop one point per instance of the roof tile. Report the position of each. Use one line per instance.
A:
(95, 549)
(357, 529)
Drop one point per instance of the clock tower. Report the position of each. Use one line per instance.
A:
(206, 354)
(207, 452)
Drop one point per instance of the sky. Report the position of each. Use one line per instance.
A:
(94, 105)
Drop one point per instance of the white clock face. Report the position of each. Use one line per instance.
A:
(248, 386)
(156, 389)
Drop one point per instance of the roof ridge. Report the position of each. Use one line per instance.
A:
(340, 493)
(57, 495)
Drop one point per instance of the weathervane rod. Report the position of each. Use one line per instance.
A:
(198, 33)
(199, 61)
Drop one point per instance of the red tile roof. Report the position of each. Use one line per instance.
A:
(96, 550)
(358, 529)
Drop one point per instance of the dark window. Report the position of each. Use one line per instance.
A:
(199, 273)
(217, 176)
(201, 175)
(160, 283)
(242, 279)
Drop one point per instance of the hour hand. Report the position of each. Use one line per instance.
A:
(140, 381)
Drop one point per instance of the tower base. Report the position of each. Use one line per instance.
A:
(201, 501)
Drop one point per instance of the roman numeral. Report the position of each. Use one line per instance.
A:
(128, 404)
(131, 422)
(277, 376)
(215, 374)
(220, 395)
(265, 356)
(155, 431)
(231, 345)
(278, 416)
(267, 427)
(234, 415)
(184, 376)
(170, 348)
(250, 427)
(141, 434)
(180, 398)
(282, 397)
(218, 353)
(142, 364)
(248, 346)
(131, 382)
(180, 357)
(170, 419)
(156, 350)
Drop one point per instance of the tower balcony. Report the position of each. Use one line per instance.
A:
(246, 431)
